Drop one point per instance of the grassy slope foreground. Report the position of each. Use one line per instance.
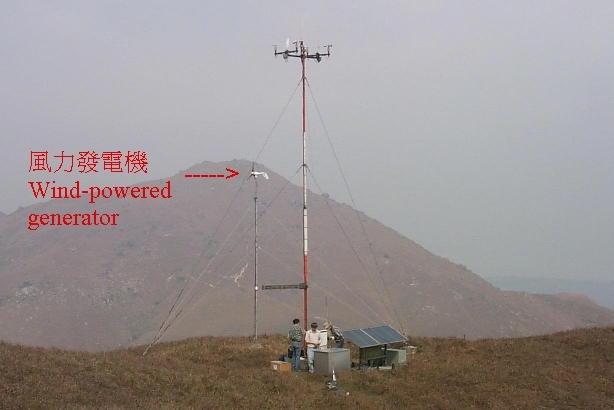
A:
(570, 370)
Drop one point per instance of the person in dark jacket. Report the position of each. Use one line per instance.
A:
(295, 342)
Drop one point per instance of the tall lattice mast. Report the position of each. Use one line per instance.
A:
(302, 52)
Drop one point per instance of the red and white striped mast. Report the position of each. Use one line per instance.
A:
(302, 52)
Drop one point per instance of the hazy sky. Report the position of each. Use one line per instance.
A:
(483, 131)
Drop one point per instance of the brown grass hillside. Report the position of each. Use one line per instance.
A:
(569, 370)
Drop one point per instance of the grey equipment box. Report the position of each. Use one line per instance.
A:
(396, 356)
(325, 360)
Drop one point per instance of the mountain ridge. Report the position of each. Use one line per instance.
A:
(104, 287)
(601, 292)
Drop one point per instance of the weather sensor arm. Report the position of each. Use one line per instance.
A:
(303, 52)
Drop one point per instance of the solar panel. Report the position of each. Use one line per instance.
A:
(374, 336)
(385, 334)
(360, 338)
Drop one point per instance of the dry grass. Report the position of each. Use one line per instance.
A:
(570, 370)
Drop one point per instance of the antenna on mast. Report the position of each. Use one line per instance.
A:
(302, 52)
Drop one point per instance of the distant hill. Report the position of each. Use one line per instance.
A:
(103, 287)
(601, 292)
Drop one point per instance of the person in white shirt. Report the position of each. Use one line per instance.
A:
(312, 340)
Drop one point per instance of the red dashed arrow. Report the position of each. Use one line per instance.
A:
(233, 173)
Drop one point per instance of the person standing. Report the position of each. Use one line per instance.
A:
(295, 340)
(335, 334)
(312, 340)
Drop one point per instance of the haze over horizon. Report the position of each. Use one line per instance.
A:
(483, 132)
